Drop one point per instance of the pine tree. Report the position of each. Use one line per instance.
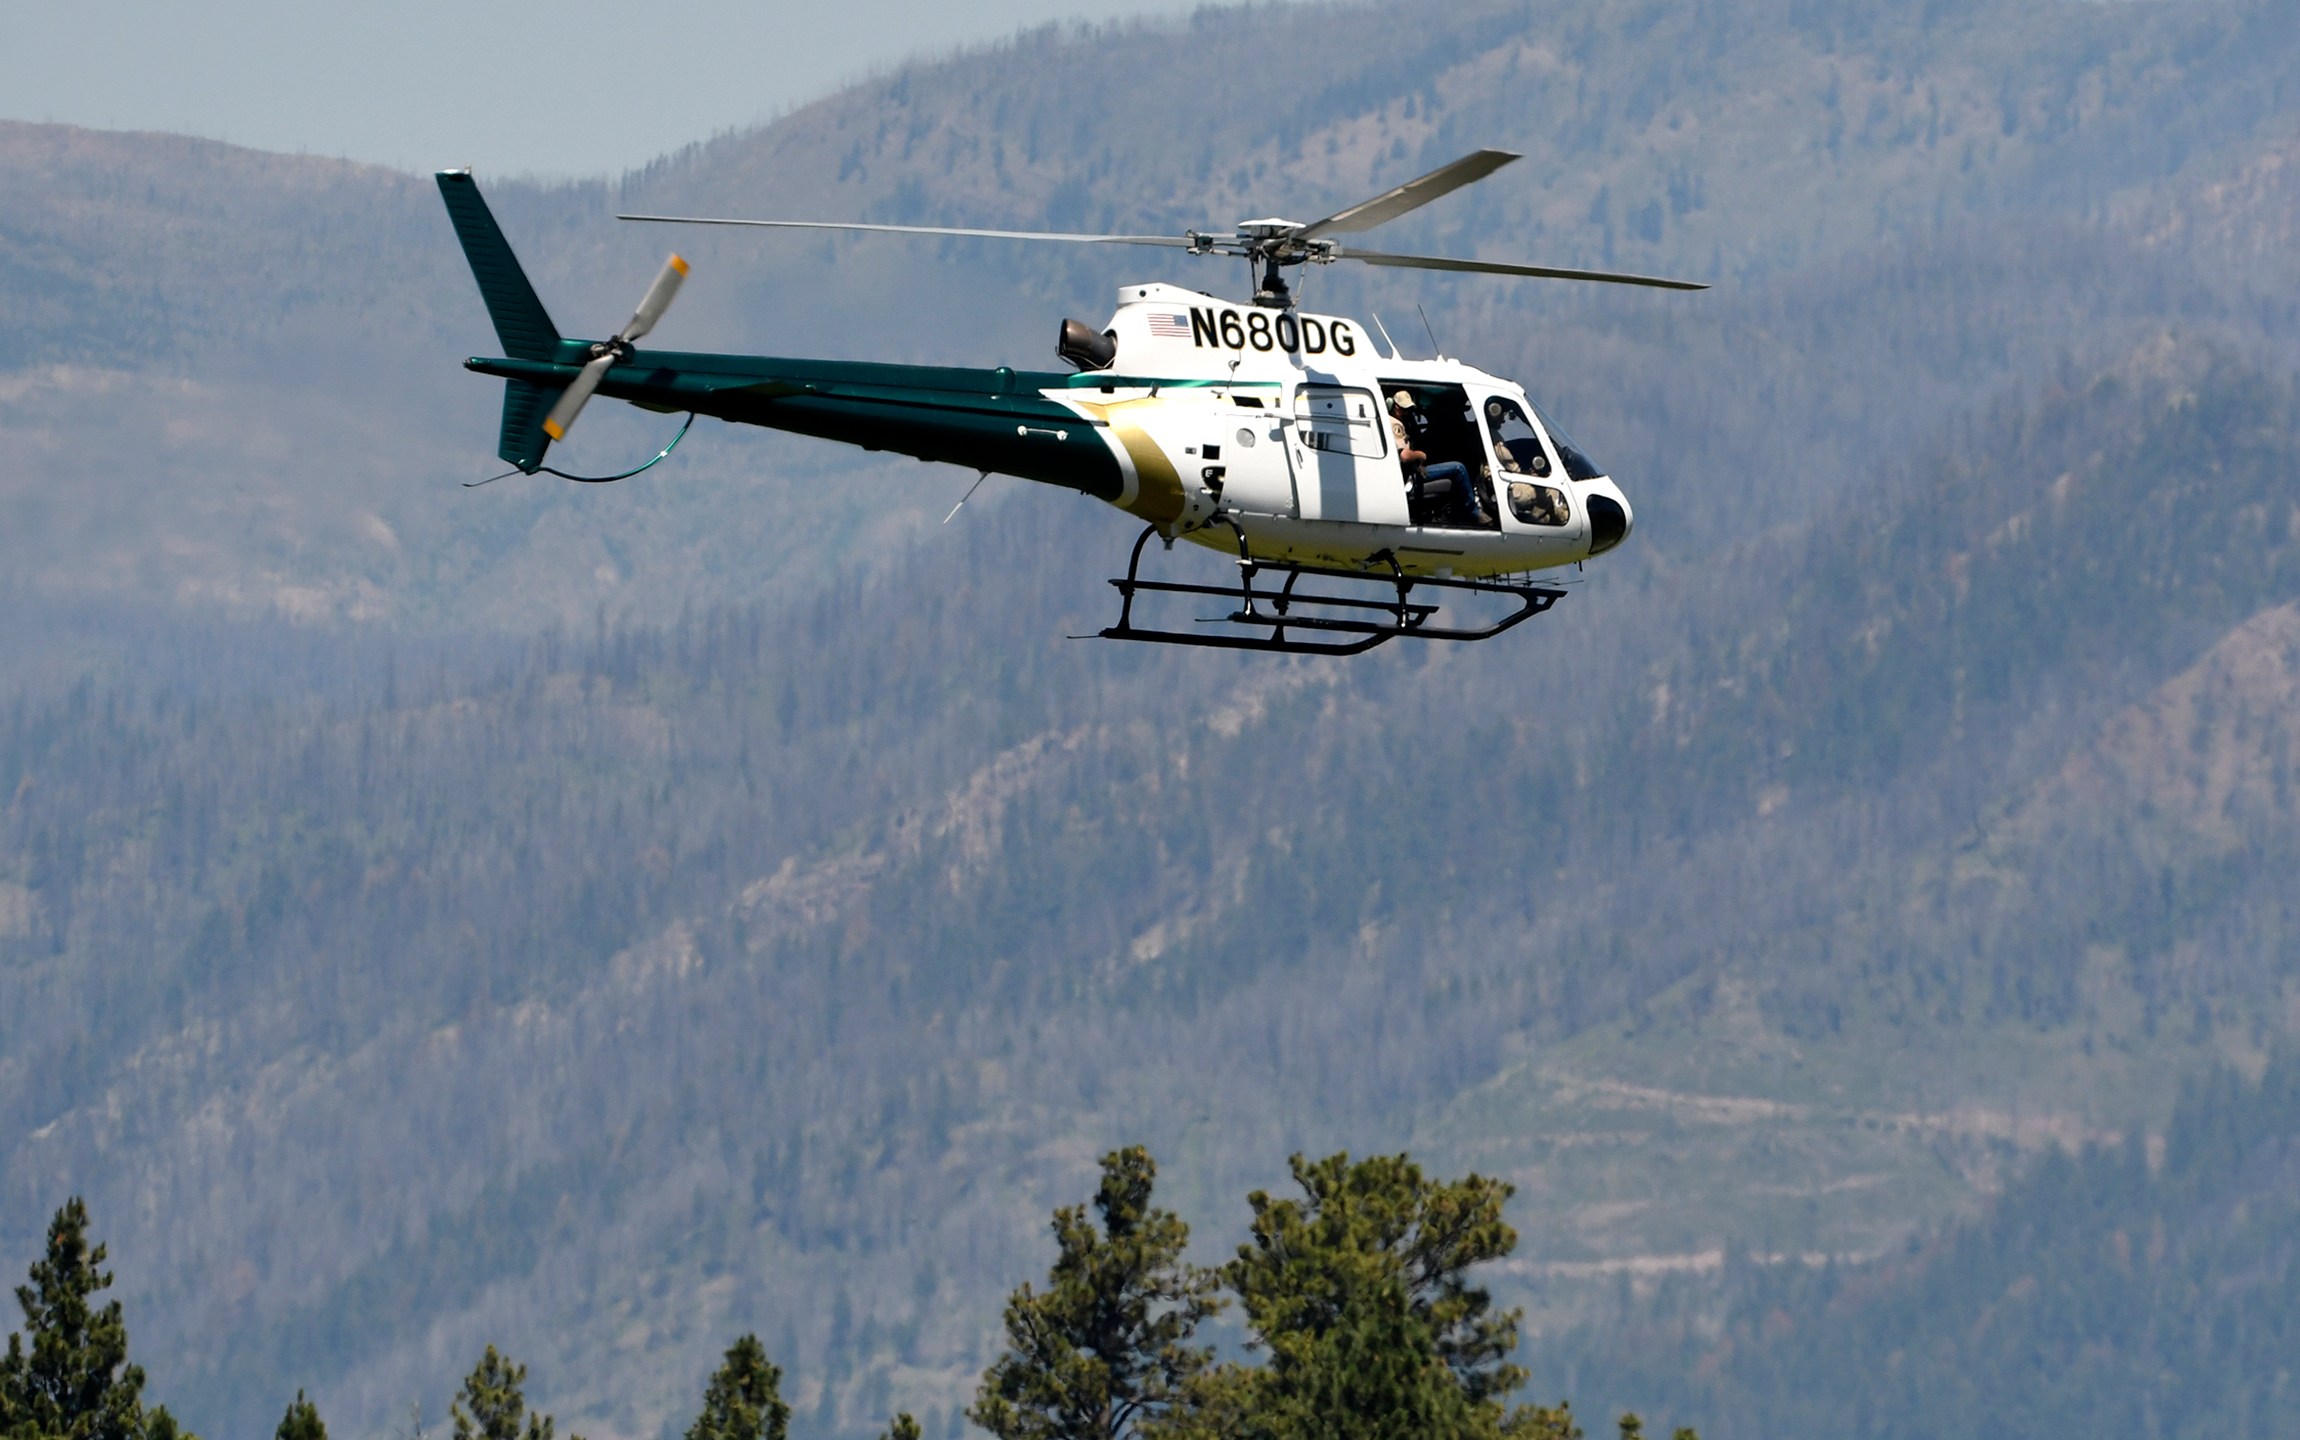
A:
(74, 1380)
(301, 1422)
(1539, 1422)
(160, 1425)
(494, 1402)
(903, 1428)
(744, 1400)
(1358, 1292)
(1371, 1373)
(1106, 1347)
(1633, 1428)
(1378, 1223)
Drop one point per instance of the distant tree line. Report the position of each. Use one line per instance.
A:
(1356, 1298)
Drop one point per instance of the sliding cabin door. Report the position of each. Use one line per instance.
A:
(1344, 468)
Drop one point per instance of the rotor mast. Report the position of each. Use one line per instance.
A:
(1272, 245)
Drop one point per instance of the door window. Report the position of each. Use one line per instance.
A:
(1341, 421)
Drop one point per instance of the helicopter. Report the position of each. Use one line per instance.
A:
(1366, 497)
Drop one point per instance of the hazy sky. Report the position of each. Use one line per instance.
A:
(576, 87)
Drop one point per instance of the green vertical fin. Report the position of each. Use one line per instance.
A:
(523, 441)
(521, 322)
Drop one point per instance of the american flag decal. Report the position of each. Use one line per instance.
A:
(1169, 326)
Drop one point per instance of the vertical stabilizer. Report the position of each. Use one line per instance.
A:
(523, 441)
(521, 322)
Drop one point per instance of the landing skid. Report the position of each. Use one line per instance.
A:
(1353, 631)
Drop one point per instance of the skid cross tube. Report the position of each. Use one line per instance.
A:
(1351, 633)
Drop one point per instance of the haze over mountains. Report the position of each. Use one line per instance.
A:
(599, 921)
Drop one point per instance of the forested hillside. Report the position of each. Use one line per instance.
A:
(2139, 1288)
(601, 922)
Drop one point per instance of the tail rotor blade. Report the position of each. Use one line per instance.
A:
(657, 301)
(581, 388)
(571, 400)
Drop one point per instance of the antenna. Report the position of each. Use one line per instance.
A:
(969, 495)
(1435, 352)
(1386, 340)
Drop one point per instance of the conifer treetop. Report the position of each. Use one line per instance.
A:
(1106, 1347)
(74, 1379)
(744, 1399)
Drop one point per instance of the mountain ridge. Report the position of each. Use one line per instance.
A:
(727, 901)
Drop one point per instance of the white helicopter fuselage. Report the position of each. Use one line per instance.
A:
(1292, 438)
(1279, 423)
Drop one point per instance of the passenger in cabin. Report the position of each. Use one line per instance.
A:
(1539, 504)
(1443, 486)
(1431, 495)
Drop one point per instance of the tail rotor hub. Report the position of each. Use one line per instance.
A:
(607, 354)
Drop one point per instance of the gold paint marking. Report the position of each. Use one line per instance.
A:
(1158, 487)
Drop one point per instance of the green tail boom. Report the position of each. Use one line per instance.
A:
(989, 420)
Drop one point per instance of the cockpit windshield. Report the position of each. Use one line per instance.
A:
(1577, 461)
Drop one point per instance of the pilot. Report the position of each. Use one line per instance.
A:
(1520, 454)
(1495, 416)
(1431, 480)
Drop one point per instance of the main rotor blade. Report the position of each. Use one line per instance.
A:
(1503, 267)
(1412, 195)
(1178, 242)
(657, 299)
(562, 416)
